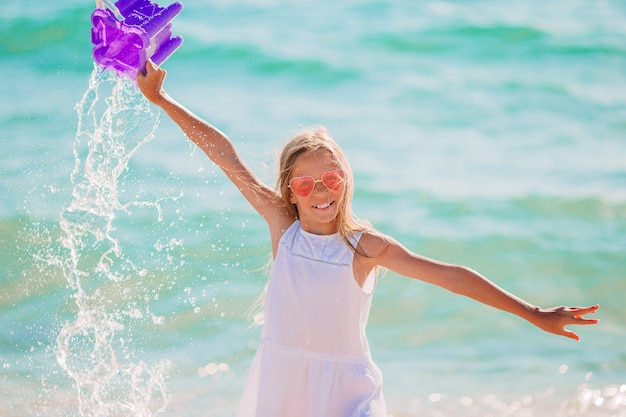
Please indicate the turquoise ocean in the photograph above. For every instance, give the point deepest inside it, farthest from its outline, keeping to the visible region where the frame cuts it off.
(485, 133)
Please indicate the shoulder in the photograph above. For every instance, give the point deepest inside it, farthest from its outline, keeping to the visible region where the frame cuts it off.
(370, 251)
(373, 243)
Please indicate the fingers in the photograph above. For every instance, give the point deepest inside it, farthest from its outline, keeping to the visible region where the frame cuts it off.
(150, 66)
(152, 70)
(584, 321)
(591, 310)
(571, 335)
(555, 319)
(150, 83)
(577, 317)
(586, 310)
(580, 312)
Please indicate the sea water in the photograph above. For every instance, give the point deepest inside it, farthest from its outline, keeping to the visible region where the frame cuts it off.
(484, 133)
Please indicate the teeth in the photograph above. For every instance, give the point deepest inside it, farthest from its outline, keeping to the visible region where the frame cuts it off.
(323, 206)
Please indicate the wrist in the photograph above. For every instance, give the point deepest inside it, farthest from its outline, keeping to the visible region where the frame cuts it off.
(533, 314)
(159, 98)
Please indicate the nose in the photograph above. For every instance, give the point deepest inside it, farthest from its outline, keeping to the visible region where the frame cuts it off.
(319, 185)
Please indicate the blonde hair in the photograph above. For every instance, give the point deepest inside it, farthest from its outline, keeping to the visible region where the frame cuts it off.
(311, 140)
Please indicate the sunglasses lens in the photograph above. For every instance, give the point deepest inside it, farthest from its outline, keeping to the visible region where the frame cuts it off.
(302, 185)
(333, 180)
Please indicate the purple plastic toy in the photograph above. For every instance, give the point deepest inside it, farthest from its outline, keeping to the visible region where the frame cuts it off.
(125, 34)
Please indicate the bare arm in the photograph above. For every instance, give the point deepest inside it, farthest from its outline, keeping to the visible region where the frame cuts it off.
(218, 147)
(465, 281)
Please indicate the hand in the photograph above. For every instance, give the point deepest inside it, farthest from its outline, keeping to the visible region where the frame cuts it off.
(151, 83)
(554, 320)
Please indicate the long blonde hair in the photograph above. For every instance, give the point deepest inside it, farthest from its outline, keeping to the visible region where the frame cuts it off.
(311, 140)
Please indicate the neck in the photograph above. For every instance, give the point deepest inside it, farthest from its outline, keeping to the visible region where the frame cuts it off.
(319, 228)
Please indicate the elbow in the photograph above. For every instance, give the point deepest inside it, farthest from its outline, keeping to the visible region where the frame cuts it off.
(460, 279)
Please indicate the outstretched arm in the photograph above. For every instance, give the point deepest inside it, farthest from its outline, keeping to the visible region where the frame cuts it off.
(215, 144)
(462, 280)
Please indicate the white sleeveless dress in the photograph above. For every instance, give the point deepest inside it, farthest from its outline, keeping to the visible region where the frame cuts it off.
(314, 359)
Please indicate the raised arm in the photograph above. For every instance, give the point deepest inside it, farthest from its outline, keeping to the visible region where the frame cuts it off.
(216, 146)
(462, 280)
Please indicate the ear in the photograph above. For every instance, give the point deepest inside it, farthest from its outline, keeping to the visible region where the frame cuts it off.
(292, 199)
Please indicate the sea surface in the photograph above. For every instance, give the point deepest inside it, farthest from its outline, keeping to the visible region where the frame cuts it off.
(485, 133)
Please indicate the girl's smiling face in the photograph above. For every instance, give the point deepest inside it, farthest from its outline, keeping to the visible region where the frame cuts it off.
(318, 210)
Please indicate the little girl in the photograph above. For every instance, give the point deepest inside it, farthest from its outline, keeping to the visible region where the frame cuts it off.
(313, 359)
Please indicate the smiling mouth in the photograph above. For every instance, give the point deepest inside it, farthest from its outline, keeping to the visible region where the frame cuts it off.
(323, 206)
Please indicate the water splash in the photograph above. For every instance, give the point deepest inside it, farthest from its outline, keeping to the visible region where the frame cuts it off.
(94, 349)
